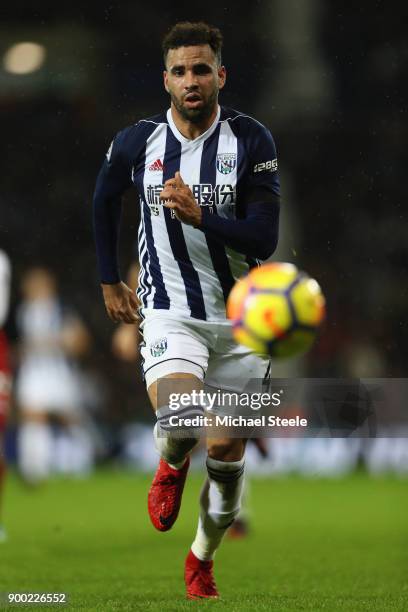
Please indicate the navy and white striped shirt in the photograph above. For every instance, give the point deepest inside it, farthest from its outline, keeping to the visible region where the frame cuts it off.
(232, 171)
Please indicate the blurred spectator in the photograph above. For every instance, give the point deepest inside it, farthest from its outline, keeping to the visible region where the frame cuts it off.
(51, 436)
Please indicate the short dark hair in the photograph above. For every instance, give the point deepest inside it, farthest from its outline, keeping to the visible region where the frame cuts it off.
(187, 33)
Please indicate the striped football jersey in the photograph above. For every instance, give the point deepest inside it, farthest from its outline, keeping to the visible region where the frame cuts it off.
(182, 269)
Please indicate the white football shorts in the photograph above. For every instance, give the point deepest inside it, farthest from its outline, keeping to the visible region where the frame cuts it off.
(205, 349)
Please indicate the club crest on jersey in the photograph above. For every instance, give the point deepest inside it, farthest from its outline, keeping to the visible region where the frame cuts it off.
(226, 162)
(158, 347)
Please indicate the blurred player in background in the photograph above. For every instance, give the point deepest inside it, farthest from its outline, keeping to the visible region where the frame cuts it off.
(5, 376)
(209, 191)
(47, 387)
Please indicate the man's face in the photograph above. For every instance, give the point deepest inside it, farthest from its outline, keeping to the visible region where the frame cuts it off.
(193, 79)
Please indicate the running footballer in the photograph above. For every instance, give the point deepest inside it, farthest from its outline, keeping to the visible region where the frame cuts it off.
(208, 186)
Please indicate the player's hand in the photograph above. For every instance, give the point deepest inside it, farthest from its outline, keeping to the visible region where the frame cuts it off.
(179, 197)
(120, 302)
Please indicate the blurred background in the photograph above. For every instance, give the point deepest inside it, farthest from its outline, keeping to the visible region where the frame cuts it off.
(326, 78)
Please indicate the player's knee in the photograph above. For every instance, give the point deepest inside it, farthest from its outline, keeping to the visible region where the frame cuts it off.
(226, 450)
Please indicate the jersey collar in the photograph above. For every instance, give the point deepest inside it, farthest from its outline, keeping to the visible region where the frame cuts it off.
(200, 138)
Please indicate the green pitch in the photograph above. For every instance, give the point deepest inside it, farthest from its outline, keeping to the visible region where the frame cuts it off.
(315, 545)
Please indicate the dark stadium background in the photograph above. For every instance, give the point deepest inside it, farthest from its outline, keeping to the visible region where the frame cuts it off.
(326, 77)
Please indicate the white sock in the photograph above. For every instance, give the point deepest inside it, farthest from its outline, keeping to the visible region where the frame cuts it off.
(34, 451)
(220, 503)
(172, 448)
(169, 449)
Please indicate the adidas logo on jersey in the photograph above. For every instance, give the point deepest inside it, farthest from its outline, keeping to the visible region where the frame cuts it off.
(156, 166)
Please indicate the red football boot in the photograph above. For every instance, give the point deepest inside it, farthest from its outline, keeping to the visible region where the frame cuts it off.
(199, 579)
(164, 497)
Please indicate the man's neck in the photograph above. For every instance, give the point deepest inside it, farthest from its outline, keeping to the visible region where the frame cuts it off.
(192, 130)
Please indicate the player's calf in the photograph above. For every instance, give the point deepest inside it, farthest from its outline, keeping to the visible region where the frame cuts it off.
(220, 503)
(172, 448)
(226, 449)
(172, 439)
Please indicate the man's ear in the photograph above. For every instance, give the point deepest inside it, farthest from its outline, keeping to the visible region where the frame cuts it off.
(222, 76)
(166, 87)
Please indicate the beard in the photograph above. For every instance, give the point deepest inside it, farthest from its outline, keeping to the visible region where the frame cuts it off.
(196, 115)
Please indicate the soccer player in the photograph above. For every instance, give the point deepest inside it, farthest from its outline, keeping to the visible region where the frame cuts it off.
(207, 181)
(47, 386)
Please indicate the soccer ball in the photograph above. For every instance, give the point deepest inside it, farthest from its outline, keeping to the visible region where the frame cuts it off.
(276, 310)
